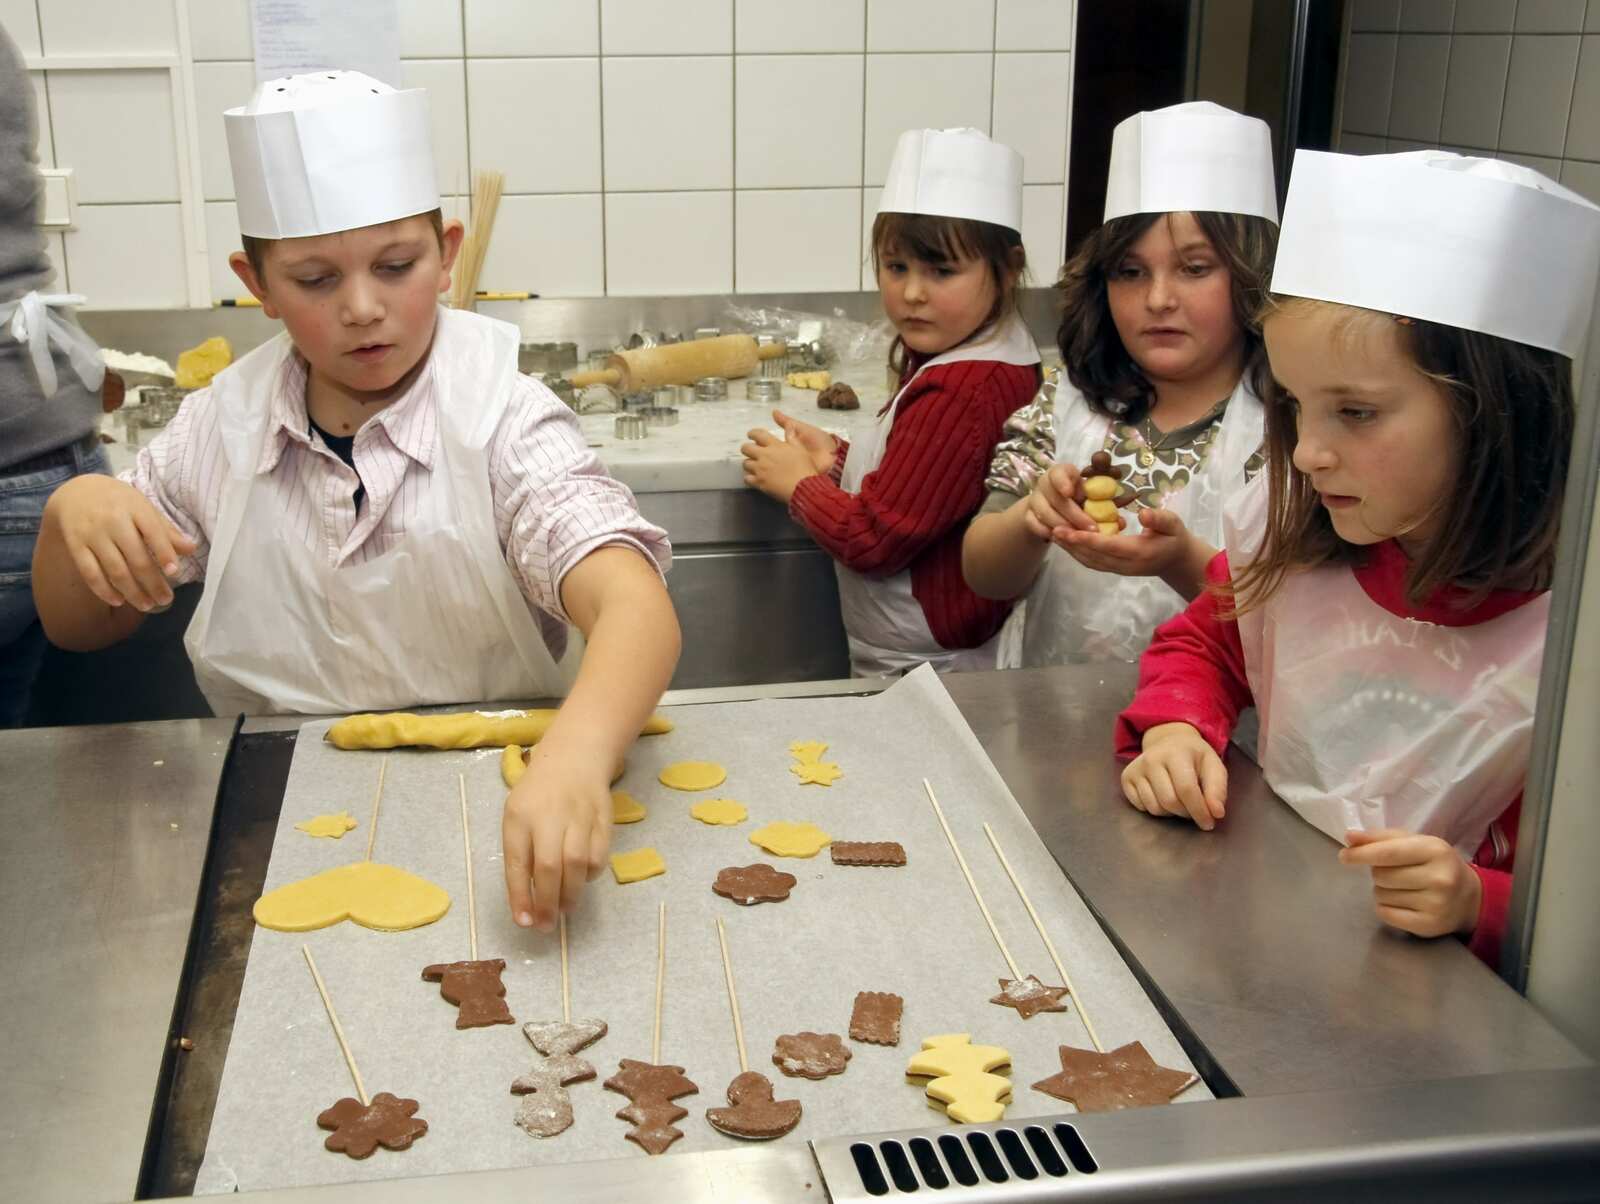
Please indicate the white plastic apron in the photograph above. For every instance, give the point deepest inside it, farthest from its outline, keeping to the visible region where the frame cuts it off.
(437, 619)
(1077, 614)
(1369, 720)
(31, 323)
(887, 631)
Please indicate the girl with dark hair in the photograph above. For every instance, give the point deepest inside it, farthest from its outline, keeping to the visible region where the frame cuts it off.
(1381, 599)
(1164, 368)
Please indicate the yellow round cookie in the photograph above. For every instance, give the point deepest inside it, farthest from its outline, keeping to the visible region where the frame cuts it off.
(693, 775)
(719, 811)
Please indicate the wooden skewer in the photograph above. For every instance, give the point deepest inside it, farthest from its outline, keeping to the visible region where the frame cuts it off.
(338, 1029)
(566, 999)
(466, 844)
(377, 801)
(661, 973)
(1048, 943)
(962, 861)
(733, 999)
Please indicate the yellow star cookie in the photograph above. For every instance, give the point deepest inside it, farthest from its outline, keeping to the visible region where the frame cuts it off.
(816, 773)
(373, 895)
(960, 1078)
(785, 839)
(625, 809)
(639, 864)
(693, 775)
(335, 825)
(807, 750)
(719, 811)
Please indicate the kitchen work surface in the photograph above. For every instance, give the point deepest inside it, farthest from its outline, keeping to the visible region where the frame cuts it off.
(914, 930)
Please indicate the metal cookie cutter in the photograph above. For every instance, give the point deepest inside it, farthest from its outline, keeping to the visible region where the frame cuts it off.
(631, 426)
(778, 365)
(655, 416)
(761, 388)
(711, 388)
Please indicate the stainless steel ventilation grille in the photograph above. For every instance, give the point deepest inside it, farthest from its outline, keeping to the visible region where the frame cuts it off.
(1001, 1162)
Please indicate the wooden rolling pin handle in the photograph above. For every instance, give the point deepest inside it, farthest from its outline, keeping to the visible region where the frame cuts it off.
(600, 376)
(772, 351)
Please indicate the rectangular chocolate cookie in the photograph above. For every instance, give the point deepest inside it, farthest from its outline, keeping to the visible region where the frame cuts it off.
(868, 852)
(876, 1017)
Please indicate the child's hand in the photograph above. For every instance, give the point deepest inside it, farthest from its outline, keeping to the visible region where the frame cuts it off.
(1052, 506)
(1160, 545)
(120, 544)
(776, 466)
(822, 447)
(557, 830)
(1178, 773)
(1420, 884)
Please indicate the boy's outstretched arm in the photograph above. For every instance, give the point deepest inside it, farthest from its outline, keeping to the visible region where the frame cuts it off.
(557, 822)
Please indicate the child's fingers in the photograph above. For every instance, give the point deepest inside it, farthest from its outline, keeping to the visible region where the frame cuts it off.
(1186, 786)
(548, 857)
(166, 542)
(1402, 918)
(1214, 783)
(132, 572)
(94, 577)
(1387, 848)
(1146, 796)
(515, 839)
(761, 437)
(1161, 522)
(599, 846)
(574, 865)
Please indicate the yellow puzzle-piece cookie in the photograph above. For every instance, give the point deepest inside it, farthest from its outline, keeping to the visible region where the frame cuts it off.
(625, 809)
(816, 773)
(693, 775)
(373, 895)
(1100, 489)
(469, 729)
(637, 865)
(719, 811)
(960, 1077)
(784, 839)
(335, 825)
(807, 750)
(512, 767)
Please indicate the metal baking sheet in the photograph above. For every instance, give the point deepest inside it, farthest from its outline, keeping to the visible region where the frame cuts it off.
(797, 964)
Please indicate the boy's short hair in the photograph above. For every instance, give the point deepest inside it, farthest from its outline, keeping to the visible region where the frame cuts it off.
(255, 248)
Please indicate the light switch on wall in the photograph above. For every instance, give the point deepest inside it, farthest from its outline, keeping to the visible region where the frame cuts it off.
(60, 208)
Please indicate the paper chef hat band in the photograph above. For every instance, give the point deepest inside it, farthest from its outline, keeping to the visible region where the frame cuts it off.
(329, 151)
(1197, 158)
(1478, 244)
(955, 173)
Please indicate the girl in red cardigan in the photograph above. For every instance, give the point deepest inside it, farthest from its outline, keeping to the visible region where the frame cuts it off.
(892, 509)
(1381, 598)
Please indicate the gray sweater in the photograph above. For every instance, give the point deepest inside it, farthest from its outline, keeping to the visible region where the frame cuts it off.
(30, 423)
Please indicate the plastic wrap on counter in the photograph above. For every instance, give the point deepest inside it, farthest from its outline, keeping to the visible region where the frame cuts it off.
(845, 342)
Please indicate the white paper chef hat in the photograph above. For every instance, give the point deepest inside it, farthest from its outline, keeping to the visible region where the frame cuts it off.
(1479, 244)
(329, 151)
(1191, 158)
(955, 173)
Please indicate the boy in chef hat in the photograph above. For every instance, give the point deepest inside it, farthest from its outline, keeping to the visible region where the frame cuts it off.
(384, 512)
(1161, 349)
(947, 246)
(1382, 593)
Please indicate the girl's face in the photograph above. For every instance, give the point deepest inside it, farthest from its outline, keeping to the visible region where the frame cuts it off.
(934, 306)
(1376, 437)
(1171, 300)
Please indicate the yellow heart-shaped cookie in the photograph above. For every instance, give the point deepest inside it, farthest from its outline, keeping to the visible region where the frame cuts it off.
(373, 895)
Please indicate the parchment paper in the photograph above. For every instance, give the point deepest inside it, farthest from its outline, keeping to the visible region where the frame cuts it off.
(797, 964)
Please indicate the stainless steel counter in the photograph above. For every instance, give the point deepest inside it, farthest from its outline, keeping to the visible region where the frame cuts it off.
(1262, 948)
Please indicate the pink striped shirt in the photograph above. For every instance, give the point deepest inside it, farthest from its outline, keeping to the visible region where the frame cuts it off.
(553, 500)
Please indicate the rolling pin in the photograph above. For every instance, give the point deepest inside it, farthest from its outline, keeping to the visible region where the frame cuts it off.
(679, 363)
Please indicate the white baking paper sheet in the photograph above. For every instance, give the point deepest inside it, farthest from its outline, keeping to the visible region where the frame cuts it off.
(797, 964)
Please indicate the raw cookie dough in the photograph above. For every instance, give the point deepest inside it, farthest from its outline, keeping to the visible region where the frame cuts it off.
(475, 988)
(960, 1078)
(335, 825)
(838, 396)
(693, 775)
(750, 884)
(546, 1109)
(651, 1089)
(359, 1128)
(867, 852)
(816, 773)
(1029, 996)
(625, 809)
(876, 1017)
(809, 380)
(514, 763)
(810, 1055)
(754, 1114)
(807, 750)
(637, 865)
(373, 895)
(470, 729)
(1125, 1077)
(783, 839)
(719, 811)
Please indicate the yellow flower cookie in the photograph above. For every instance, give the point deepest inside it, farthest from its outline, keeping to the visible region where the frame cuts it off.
(816, 773)
(719, 811)
(335, 825)
(637, 865)
(785, 839)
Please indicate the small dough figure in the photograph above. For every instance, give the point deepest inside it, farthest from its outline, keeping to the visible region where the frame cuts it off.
(332, 826)
(1101, 491)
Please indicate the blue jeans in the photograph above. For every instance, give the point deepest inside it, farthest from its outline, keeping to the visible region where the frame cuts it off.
(22, 498)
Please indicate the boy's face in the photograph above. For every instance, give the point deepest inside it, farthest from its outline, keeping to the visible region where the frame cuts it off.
(358, 304)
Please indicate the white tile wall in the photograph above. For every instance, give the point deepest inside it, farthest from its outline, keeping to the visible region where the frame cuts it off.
(1475, 90)
(1549, 16)
(1582, 178)
(669, 243)
(1583, 132)
(869, 211)
(1485, 16)
(1539, 94)
(1031, 95)
(1368, 82)
(41, 107)
(818, 146)
(782, 26)
(907, 91)
(930, 24)
(53, 247)
(1426, 16)
(1417, 101)
(676, 147)
(1367, 15)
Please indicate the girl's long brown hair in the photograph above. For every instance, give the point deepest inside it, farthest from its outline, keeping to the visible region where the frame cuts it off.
(941, 240)
(1097, 363)
(1513, 414)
